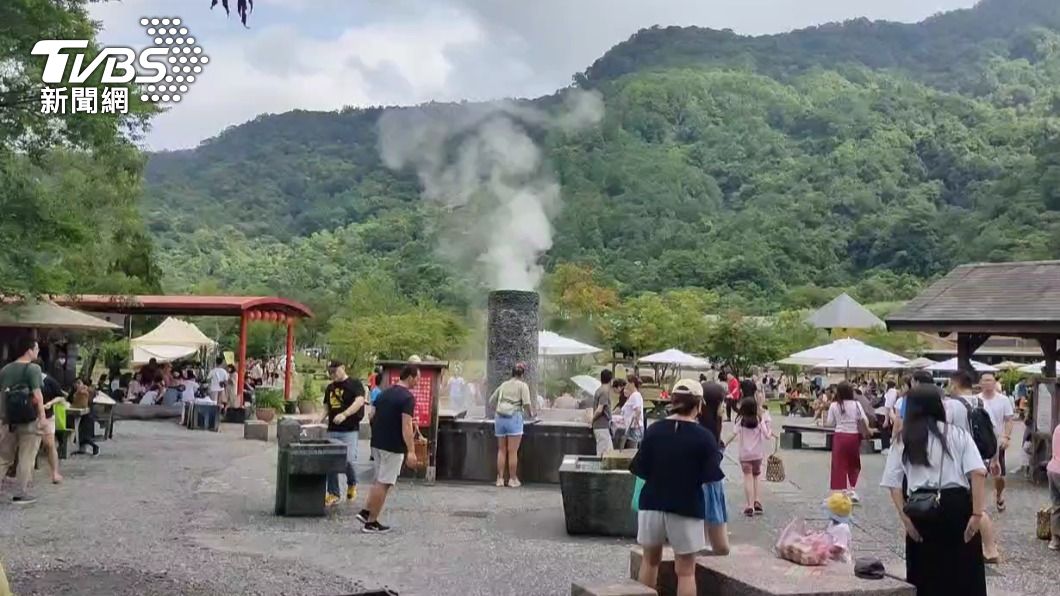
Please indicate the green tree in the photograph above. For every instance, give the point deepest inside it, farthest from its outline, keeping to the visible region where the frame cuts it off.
(69, 183)
(376, 323)
(741, 344)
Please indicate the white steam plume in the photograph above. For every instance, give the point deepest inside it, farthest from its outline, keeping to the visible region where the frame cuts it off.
(481, 162)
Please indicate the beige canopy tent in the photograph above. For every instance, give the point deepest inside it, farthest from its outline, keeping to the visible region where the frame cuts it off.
(171, 340)
(48, 315)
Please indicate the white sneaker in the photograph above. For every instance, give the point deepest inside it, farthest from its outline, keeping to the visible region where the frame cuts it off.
(1054, 544)
(854, 498)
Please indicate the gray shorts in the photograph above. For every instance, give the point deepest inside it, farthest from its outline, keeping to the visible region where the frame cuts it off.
(387, 465)
(685, 534)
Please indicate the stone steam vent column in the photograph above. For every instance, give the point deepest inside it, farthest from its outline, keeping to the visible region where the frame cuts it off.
(512, 329)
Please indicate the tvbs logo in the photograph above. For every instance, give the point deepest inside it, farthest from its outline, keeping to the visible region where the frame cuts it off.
(161, 72)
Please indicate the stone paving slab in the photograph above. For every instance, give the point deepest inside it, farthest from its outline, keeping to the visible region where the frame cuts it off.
(165, 510)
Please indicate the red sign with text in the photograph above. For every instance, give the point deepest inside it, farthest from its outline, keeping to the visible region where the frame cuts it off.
(423, 394)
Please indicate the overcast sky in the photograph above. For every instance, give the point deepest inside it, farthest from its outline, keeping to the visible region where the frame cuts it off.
(325, 54)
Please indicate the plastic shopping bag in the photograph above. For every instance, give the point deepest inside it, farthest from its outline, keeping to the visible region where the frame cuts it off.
(802, 546)
(840, 534)
(638, 484)
(59, 413)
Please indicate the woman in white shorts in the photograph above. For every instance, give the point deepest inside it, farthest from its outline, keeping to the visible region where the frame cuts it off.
(676, 458)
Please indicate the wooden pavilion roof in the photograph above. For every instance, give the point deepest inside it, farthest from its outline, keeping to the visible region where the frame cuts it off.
(994, 298)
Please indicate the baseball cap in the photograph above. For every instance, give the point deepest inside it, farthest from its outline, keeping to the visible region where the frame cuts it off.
(690, 386)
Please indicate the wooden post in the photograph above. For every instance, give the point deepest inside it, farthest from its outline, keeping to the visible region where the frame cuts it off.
(967, 344)
(289, 359)
(241, 359)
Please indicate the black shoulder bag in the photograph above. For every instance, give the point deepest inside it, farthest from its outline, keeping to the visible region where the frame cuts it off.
(925, 505)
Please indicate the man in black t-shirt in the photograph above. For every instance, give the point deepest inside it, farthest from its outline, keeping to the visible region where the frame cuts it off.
(392, 435)
(343, 411)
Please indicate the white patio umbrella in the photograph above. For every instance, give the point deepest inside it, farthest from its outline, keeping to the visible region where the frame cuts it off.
(920, 363)
(554, 344)
(675, 357)
(951, 366)
(847, 353)
(45, 314)
(586, 383)
(1033, 369)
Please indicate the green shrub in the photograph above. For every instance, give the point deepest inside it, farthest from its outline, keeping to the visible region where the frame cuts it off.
(310, 390)
(269, 398)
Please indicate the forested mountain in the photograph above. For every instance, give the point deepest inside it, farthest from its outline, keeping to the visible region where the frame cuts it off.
(861, 155)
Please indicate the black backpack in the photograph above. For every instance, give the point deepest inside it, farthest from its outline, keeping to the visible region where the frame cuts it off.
(982, 429)
(18, 401)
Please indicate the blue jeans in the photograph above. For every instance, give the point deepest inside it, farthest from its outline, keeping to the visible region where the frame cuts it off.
(350, 439)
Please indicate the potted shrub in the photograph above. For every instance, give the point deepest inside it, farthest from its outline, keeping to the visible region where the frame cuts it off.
(267, 402)
(310, 400)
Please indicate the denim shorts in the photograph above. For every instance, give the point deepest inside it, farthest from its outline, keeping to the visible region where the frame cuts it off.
(509, 426)
(714, 503)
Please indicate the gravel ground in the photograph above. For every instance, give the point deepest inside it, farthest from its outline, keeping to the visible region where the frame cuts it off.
(168, 511)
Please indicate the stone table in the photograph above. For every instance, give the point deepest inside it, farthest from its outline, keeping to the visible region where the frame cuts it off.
(754, 571)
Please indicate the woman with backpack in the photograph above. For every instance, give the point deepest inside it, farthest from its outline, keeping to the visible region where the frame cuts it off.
(943, 505)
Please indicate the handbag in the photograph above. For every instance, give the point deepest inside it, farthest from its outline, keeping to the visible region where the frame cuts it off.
(925, 505)
(863, 427)
(1044, 529)
(775, 466)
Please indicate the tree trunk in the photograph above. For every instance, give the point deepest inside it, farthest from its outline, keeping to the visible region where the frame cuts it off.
(86, 368)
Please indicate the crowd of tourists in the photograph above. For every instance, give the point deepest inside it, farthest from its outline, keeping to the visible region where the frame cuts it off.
(947, 445)
(33, 407)
(172, 383)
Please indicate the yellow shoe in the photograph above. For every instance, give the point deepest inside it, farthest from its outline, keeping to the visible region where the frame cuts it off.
(351, 493)
(331, 500)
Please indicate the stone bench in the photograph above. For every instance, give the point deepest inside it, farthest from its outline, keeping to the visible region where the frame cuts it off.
(620, 588)
(753, 571)
(791, 438)
(62, 442)
(256, 430)
(597, 501)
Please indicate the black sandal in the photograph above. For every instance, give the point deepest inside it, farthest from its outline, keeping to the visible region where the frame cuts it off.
(758, 510)
(749, 512)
